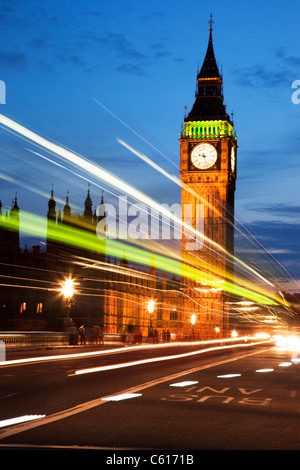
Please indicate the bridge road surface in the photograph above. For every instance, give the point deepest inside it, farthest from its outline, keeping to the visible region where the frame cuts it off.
(243, 400)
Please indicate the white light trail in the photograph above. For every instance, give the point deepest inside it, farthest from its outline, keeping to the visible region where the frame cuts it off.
(95, 170)
(133, 131)
(248, 234)
(123, 349)
(154, 165)
(113, 181)
(160, 359)
(187, 188)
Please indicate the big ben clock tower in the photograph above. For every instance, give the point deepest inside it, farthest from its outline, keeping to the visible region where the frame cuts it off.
(208, 174)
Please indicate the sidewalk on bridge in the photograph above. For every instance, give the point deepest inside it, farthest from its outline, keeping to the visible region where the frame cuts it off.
(33, 341)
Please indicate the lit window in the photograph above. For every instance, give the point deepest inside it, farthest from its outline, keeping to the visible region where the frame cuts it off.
(39, 307)
(23, 307)
(173, 314)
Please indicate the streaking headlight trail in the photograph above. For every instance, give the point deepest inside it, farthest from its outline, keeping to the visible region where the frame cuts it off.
(164, 358)
(34, 225)
(179, 183)
(71, 236)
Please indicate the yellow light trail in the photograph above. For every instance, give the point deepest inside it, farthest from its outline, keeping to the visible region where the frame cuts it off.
(112, 180)
(129, 272)
(106, 267)
(76, 237)
(113, 247)
(139, 276)
(91, 168)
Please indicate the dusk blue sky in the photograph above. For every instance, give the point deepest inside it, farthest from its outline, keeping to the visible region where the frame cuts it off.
(139, 59)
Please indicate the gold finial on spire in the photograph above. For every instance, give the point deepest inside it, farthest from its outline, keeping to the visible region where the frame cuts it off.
(211, 22)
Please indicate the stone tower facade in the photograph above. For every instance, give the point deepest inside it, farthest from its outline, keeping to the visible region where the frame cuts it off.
(208, 147)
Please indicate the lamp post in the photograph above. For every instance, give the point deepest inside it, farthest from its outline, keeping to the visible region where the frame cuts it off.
(151, 305)
(193, 322)
(68, 292)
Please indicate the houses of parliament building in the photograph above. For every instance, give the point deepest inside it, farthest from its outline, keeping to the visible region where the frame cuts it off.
(113, 292)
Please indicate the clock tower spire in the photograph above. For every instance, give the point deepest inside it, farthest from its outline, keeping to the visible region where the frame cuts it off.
(208, 173)
(209, 103)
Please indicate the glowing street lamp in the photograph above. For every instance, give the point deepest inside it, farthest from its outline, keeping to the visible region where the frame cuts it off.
(68, 292)
(68, 288)
(193, 322)
(151, 305)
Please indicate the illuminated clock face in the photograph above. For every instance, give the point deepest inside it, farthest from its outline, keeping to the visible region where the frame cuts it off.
(232, 159)
(204, 156)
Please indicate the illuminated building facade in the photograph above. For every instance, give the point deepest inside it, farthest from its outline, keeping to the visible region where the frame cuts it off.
(208, 172)
(110, 293)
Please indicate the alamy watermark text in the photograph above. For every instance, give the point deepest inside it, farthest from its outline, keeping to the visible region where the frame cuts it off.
(137, 221)
(296, 93)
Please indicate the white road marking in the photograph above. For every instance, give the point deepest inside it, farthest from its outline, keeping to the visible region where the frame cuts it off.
(228, 376)
(19, 419)
(184, 384)
(123, 396)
